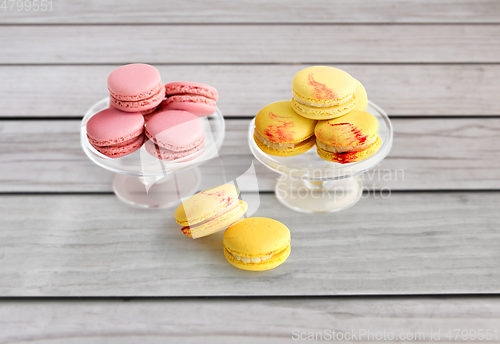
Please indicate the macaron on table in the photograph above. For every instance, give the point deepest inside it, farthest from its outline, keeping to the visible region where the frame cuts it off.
(153, 149)
(352, 135)
(257, 244)
(210, 211)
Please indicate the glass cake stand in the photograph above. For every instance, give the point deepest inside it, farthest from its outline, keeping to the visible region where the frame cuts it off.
(146, 182)
(310, 184)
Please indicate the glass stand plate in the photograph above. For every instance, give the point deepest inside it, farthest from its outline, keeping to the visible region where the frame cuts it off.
(146, 182)
(310, 184)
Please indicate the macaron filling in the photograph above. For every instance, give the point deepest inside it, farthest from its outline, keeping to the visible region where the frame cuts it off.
(117, 151)
(338, 149)
(199, 99)
(245, 259)
(253, 259)
(272, 144)
(171, 155)
(174, 148)
(154, 100)
(235, 202)
(175, 88)
(223, 219)
(279, 146)
(137, 97)
(341, 109)
(116, 142)
(321, 102)
(349, 157)
(189, 98)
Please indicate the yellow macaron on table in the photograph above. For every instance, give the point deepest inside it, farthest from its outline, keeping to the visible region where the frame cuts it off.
(257, 244)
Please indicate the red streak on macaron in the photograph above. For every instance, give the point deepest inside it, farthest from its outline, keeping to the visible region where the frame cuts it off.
(274, 116)
(227, 201)
(320, 90)
(347, 157)
(359, 137)
(280, 132)
(216, 194)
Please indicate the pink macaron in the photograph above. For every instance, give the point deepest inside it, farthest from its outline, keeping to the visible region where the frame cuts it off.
(115, 133)
(199, 99)
(136, 88)
(174, 134)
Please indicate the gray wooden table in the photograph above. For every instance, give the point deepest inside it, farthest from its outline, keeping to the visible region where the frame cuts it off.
(78, 266)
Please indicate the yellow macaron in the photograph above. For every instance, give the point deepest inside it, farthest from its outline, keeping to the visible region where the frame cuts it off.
(349, 138)
(257, 244)
(210, 211)
(361, 96)
(322, 92)
(280, 131)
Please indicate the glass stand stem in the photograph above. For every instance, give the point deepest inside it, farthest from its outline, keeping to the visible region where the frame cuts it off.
(314, 197)
(157, 192)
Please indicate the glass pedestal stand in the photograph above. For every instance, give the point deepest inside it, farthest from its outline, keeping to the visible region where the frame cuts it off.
(146, 182)
(310, 184)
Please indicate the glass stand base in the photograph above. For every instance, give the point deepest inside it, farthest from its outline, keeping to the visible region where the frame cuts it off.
(317, 197)
(165, 192)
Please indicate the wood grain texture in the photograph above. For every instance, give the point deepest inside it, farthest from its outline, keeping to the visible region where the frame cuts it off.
(318, 44)
(239, 320)
(261, 11)
(423, 243)
(427, 154)
(402, 90)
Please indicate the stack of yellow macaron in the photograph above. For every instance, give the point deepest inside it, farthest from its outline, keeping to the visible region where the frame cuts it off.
(327, 110)
(254, 244)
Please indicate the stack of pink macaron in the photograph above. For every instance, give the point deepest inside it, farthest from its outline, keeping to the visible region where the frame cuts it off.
(142, 108)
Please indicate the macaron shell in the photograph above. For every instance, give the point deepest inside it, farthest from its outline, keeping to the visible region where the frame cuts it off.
(149, 112)
(200, 106)
(112, 126)
(174, 130)
(278, 122)
(323, 85)
(324, 113)
(355, 128)
(134, 82)
(168, 155)
(139, 105)
(256, 236)
(122, 149)
(195, 88)
(345, 158)
(206, 204)
(361, 96)
(298, 148)
(269, 264)
(218, 223)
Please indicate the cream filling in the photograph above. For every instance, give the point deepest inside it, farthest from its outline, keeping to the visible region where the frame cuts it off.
(335, 102)
(252, 260)
(227, 209)
(271, 144)
(345, 149)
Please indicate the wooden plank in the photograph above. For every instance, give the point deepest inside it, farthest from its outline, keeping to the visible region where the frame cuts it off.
(428, 154)
(260, 11)
(318, 44)
(242, 320)
(93, 245)
(413, 90)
